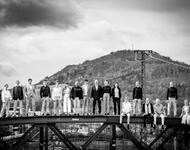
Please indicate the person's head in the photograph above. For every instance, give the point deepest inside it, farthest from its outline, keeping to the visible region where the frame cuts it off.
(76, 83)
(45, 82)
(147, 100)
(186, 102)
(106, 82)
(126, 99)
(17, 82)
(96, 82)
(137, 84)
(86, 82)
(117, 84)
(171, 84)
(6, 86)
(157, 101)
(30, 81)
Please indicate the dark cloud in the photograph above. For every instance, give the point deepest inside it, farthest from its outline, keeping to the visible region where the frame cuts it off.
(61, 13)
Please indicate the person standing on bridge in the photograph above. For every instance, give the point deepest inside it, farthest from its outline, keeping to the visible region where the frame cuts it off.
(137, 98)
(106, 97)
(67, 100)
(116, 96)
(18, 96)
(172, 97)
(45, 95)
(5, 97)
(86, 97)
(57, 96)
(96, 95)
(30, 96)
(77, 96)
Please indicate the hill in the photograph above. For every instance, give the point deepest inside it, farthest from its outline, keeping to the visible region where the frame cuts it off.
(121, 66)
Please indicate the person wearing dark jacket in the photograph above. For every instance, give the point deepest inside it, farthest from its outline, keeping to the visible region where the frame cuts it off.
(96, 95)
(172, 97)
(76, 96)
(137, 98)
(45, 95)
(116, 96)
(106, 97)
(18, 96)
(148, 111)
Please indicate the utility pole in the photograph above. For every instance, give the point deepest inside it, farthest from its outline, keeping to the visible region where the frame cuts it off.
(143, 54)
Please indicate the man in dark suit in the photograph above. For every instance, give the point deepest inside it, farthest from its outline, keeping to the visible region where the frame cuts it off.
(148, 110)
(18, 96)
(96, 95)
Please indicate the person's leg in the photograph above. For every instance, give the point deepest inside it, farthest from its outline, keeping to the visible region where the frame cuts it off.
(144, 118)
(8, 107)
(121, 118)
(43, 106)
(3, 109)
(54, 107)
(65, 104)
(169, 106)
(21, 107)
(83, 105)
(74, 109)
(94, 106)
(162, 119)
(118, 105)
(108, 103)
(15, 106)
(114, 105)
(188, 119)
(175, 107)
(79, 106)
(60, 106)
(128, 118)
(87, 106)
(99, 106)
(104, 104)
(139, 106)
(27, 104)
(134, 106)
(155, 119)
(68, 105)
(47, 105)
(33, 105)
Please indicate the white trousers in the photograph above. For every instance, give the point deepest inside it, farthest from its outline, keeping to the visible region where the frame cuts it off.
(67, 104)
(161, 116)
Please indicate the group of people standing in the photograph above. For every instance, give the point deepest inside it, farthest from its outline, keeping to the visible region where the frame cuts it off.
(66, 100)
(76, 100)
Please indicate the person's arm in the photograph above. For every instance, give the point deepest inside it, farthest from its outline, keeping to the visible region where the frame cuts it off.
(101, 92)
(141, 93)
(167, 94)
(22, 92)
(120, 93)
(92, 93)
(41, 91)
(71, 93)
(133, 93)
(25, 91)
(61, 92)
(81, 93)
(49, 92)
(53, 94)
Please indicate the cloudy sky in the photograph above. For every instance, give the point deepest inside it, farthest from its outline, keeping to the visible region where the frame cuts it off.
(40, 37)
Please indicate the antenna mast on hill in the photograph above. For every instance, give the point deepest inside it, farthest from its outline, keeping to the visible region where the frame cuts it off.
(141, 55)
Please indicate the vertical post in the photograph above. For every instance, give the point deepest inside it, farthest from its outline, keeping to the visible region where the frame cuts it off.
(143, 73)
(113, 138)
(46, 137)
(41, 138)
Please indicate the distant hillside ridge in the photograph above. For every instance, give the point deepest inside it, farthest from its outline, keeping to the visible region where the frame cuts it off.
(121, 66)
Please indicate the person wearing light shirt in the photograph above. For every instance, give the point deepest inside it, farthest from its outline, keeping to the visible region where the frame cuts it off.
(126, 110)
(6, 97)
(30, 96)
(158, 112)
(67, 100)
(86, 96)
(185, 112)
(57, 99)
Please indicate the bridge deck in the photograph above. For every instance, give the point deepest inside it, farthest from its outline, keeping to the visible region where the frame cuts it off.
(82, 119)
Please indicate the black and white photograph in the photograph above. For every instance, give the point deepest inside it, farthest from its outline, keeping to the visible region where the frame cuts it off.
(94, 74)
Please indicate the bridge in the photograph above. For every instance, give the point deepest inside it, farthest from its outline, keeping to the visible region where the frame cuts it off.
(45, 124)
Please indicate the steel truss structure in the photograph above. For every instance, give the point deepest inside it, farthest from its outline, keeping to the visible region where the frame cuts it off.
(42, 124)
